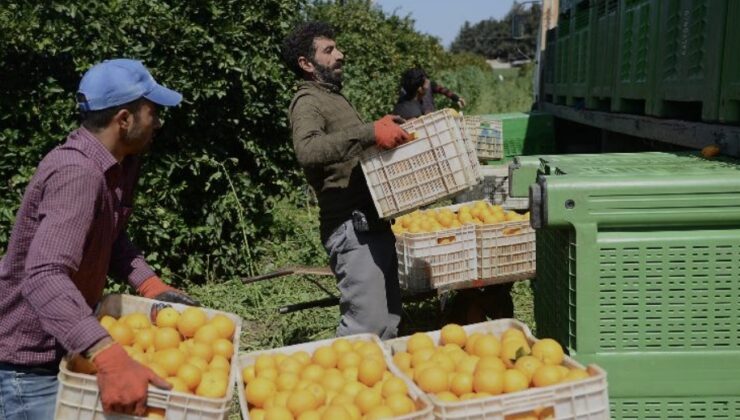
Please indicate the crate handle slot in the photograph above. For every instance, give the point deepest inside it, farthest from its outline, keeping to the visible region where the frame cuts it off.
(539, 412)
(447, 239)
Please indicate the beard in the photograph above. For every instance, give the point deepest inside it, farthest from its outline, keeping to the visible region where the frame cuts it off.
(329, 75)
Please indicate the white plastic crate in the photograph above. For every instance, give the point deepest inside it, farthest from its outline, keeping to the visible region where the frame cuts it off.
(78, 396)
(506, 251)
(436, 165)
(585, 399)
(486, 135)
(423, 404)
(430, 260)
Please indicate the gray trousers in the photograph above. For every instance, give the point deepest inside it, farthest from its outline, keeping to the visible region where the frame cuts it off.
(366, 268)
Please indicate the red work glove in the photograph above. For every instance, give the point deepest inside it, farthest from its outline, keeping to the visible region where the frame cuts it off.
(155, 288)
(388, 134)
(123, 382)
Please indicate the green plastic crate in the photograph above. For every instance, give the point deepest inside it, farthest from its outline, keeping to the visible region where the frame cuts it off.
(638, 271)
(563, 57)
(604, 32)
(689, 58)
(550, 64)
(524, 133)
(580, 60)
(729, 106)
(636, 55)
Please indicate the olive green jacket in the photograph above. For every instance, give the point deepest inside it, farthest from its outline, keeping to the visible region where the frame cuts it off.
(328, 137)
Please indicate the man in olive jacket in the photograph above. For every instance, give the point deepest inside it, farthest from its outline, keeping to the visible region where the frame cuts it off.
(328, 137)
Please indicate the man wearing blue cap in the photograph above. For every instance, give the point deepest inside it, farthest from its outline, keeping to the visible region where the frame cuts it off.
(70, 233)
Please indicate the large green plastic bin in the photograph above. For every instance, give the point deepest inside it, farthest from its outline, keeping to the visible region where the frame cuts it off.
(638, 268)
(522, 133)
(689, 58)
(563, 57)
(551, 37)
(638, 27)
(580, 60)
(729, 106)
(604, 33)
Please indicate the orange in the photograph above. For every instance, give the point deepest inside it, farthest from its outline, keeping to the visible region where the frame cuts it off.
(528, 365)
(380, 412)
(170, 360)
(513, 348)
(290, 365)
(367, 399)
(308, 415)
(472, 339)
(422, 355)
(490, 362)
(433, 380)
(487, 345)
(203, 365)
(271, 374)
(453, 333)
(370, 371)
(341, 399)
(137, 321)
(201, 350)
(467, 364)
(461, 383)
(402, 359)
(353, 388)
(287, 381)
(155, 413)
(335, 412)
(400, 404)
(418, 341)
(515, 380)
(144, 338)
(278, 413)
(122, 333)
(325, 357)
(167, 317)
(333, 381)
(224, 325)
(256, 414)
(107, 321)
(223, 347)
(258, 391)
(166, 338)
(354, 412)
(546, 375)
(178, 384)
(158, 370)
(370, 349)
(219, 362)
(489, 380)
(248, 373)
(349, 359)
(710, 151)
(576, 374)
(394, 385)
(301, 357)
(513, 333)
(190, 320)
(264, 361)
(444, 361)
(301, 401)
(341, 345)
(446, 396)
(206, 334)
(350, 373)
(190, 375)
(81, 365)
(312, 373)
(318, 392)
(548, 351)
(564, 371)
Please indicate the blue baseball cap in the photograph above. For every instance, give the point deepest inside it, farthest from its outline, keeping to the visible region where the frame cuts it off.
(120, 81)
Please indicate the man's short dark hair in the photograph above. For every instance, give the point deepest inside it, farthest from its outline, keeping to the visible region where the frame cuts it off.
(299, 43)
(98, 120)
(411, 80)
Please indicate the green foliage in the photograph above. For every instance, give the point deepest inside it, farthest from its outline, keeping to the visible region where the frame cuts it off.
(486, 93)
(492, 38)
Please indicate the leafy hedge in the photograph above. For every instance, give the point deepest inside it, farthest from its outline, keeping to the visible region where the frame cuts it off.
(209, 202)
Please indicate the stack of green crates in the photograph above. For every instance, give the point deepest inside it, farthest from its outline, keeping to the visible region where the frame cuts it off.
(524, 133)
(638, 271)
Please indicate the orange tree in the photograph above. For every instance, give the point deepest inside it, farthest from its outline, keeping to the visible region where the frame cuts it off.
(206, 203)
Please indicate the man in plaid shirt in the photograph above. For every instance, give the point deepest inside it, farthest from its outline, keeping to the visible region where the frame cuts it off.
(69, 235)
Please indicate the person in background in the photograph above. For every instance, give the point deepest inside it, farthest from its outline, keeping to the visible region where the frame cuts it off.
(416, 98)
(69, 235)
(328, 138)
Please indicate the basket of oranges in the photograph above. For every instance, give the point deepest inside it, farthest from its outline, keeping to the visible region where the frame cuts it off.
(498, 370)
(192, 348)
(343, 378)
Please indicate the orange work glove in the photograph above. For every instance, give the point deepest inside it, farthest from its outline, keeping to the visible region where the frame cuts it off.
(123, 382)
(155, 288)
(388, 134)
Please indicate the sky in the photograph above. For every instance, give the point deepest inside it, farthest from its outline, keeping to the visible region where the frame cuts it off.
(443, 18)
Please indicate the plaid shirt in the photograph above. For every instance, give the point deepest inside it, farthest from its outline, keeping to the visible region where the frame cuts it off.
(68, 235)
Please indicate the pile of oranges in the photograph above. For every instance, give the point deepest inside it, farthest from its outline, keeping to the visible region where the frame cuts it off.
(345, 380)
(434, 220)
(462, 367)
(189, 350)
